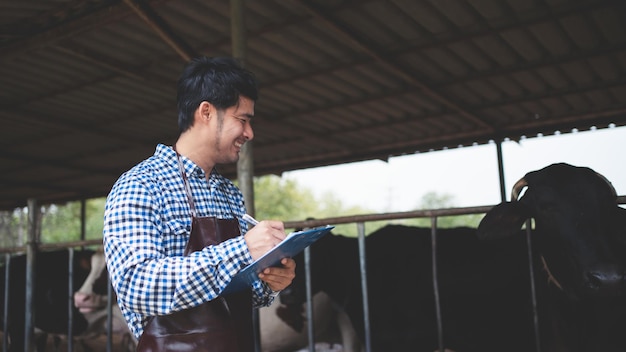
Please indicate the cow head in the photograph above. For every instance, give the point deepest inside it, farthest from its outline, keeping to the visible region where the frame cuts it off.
(579, 228)
(92, 295)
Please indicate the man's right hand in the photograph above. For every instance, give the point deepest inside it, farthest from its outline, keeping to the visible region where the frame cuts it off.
(264, 236)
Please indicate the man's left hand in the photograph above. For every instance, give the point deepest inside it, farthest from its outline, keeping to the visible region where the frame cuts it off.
(279, 277)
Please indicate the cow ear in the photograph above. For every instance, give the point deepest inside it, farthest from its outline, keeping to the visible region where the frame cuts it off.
(503, 220)
(620, 224)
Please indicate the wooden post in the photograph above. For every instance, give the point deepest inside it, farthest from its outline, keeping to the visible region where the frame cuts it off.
(245, 165)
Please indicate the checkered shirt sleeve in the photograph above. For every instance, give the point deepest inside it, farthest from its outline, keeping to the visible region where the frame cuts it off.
(147, 222)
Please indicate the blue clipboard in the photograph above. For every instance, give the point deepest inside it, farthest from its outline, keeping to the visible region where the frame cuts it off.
(293, 244)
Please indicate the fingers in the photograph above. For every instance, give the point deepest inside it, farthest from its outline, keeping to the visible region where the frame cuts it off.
(263, 237)
(272, 228)
(275, 228)
(278, 278)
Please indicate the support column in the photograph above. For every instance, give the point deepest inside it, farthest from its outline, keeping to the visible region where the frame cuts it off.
(245, 165)
(31, 256)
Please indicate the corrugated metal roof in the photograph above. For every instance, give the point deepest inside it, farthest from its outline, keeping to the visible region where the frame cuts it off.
(88, 86)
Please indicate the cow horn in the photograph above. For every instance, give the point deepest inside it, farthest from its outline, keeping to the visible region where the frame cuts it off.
(517, 188)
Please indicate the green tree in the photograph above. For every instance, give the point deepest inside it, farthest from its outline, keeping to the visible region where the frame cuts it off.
(433, 200)
(13, 226)
(61, 222)
(331, 206)
(282, 199)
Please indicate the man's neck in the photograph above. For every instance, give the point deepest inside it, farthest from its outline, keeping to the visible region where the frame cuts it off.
(194, 152)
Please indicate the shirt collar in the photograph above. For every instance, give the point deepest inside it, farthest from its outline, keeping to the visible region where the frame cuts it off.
(191, 169)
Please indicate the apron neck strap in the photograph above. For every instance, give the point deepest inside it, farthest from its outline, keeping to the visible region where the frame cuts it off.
(181, 168)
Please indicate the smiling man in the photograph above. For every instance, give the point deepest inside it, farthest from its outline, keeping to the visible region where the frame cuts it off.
(173, 229)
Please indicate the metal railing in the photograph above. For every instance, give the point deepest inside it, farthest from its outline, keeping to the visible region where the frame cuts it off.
(359, 220)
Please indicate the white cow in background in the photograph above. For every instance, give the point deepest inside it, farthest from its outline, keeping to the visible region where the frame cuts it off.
(331, 327)
(93, 307)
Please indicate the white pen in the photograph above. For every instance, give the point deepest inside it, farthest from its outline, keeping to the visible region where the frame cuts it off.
(250, 220)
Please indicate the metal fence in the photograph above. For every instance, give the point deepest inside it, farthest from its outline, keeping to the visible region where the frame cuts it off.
(359, 220)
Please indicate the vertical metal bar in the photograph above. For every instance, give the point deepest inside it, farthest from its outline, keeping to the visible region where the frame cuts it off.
(533, 291)
(363, 264)
(5, 318)
(70, 299)
(433, 241)
(109, 328)
(83, 217)
(309, 299)
(31, 260)
(501, 170)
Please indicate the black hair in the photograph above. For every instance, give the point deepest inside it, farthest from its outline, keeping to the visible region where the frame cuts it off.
(218, 80)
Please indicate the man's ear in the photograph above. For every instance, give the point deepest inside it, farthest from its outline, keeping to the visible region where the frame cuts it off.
(205, 112)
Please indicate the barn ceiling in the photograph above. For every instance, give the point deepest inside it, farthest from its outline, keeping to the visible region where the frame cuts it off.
(88, 86)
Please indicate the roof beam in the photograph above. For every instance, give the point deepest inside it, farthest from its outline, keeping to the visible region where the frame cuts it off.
(164, 31)
(52, 36)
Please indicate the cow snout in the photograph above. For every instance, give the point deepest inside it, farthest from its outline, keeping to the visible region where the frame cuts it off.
(605, 281)
(87, 303)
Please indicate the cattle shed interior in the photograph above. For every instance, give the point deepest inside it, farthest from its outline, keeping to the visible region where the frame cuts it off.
(88, 86)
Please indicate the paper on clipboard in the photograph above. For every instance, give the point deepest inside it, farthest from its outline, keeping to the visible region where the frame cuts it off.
(293, 244)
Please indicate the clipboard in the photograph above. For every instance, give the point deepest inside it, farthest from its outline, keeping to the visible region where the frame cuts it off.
(293, 244)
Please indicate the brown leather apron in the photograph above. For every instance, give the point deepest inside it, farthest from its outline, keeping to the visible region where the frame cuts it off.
(221, 325)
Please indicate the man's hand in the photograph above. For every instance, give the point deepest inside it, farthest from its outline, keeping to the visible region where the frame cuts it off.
(279, 277)
(263, 237)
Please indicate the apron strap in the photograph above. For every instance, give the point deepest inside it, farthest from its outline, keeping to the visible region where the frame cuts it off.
(181, 167)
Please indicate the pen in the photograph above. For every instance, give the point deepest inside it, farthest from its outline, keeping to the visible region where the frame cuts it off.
(250, 220)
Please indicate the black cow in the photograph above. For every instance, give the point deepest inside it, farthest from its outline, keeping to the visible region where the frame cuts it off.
(580, 235)
(50, 295)
(483, 286)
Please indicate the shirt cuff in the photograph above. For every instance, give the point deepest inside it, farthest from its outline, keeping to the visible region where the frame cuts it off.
(274, 294)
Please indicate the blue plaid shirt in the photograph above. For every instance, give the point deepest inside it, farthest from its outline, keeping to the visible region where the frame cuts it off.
(147, 222)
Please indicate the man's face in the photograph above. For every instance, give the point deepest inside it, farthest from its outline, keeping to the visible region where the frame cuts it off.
(232, 129)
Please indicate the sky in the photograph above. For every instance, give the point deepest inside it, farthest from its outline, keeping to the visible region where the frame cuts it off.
(468, 174)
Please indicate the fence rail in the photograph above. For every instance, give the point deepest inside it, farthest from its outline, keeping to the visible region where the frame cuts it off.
(359, 220)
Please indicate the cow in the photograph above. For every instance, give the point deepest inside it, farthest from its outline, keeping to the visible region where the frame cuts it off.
(579, 238)
(276, 335)
(332, 329)
(483, 288)
(91, 300)
(50, 296)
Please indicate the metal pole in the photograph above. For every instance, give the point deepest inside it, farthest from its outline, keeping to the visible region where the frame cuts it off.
(366, 308)
(31, 253)
(70, 299)
(309, 299)
(533, 291)
(5, 318)
(501, 171)
(83, 217)
(433, 239)
(109, 315)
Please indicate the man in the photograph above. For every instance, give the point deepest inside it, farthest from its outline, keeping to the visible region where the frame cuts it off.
(168, 289)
